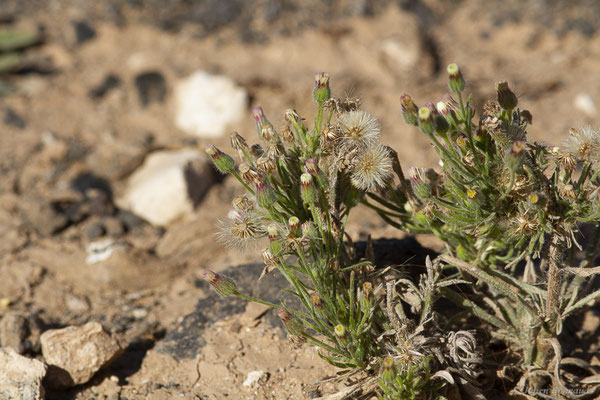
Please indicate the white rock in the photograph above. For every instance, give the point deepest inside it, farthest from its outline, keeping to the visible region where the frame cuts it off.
(206, 104)
(585, 103)
(404, 54)
(253, 378)
(20, 377)
(168, 185)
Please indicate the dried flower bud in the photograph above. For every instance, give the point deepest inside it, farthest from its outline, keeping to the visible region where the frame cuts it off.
(340, 331)
(292, 116)
(456, 82)
(506, 97)
(287, 135)
(266, 164)
(426, 122)
(321, 92)
(307, 188)
(238, 142)
(222, 161)
(242, 204)
(447, 105)
(222, 284)
(269, 259)
(568, 191)
(263, 126)
(409, 110)
(526, 115)
(249, 174)
(294, 226)
(256, 150)
(331, 134)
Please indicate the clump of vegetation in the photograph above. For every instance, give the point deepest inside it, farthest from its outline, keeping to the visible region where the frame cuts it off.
(507, 209)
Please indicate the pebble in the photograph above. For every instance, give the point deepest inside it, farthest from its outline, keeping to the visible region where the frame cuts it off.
(21, 377)
(168, 185)
(83, 31)
(110, 82)
(585, 103)
(151, 87)
(14, 331)
(75, 353)
(253, 378)
(206, 105)
(95, 230)
(11, 118)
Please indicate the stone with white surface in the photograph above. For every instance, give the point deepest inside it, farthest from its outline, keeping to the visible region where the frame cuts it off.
(207, 104)
(169, 185)
(21, 377)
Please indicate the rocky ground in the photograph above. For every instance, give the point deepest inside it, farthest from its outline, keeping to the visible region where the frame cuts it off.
(108, 205)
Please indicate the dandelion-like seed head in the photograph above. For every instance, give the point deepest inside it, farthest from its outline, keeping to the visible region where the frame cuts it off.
(240, 230)
(583, 143)
(360, 129)
(372, 168)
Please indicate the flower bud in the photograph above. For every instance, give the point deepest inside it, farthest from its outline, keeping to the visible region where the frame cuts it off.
(456, 82)
(316, 300)
(294, 226)
(388, 373)
(266, 164)
(447, 105)
(307, 188)
(222, 161)
(222, 284)
(426, 122)
(472, 194)
(264, 194)
(249, 174)
(506, 97)
(514, 156)
(270, 259)
(256, 150)
(308, 230)
(526, 115)
(537, 199)
(409, 110)
(292, 324)
(340, 331)
(311, 167)
(321, 92)
(263, 126)
(238, 142)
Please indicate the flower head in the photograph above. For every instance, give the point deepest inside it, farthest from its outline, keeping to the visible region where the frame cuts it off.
(360, 130)
(584, 143)
(240, 230)
(372, 168)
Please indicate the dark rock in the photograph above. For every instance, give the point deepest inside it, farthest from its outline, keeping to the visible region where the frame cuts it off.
(95, 230)
(83, 31)
(11, 118)
(130, 220)
(20, 332)
(214, 14)
(185, 340)
(109, 83)
(151, 87)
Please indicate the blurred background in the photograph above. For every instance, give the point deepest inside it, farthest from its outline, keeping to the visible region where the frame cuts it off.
(108, 205)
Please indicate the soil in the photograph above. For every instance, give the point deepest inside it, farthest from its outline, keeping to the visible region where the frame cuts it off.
(96, 96)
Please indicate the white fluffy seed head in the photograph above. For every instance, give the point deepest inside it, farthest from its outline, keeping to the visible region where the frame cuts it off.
(360, 129)
(372, 168)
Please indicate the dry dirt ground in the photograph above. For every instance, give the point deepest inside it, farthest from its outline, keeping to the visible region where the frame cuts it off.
(66, 151)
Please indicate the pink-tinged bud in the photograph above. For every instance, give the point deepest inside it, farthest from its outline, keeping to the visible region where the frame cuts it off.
(292, 324)
(456, 82)
(307, 188)
(222, 161)
(447, 105)
(506, 97)
(263, 126)
(264, 194)
(409, 110)
(222, 284)
(311, 167)
(426, 122)
(514, 156)
(308, 230)
(321, 92)
(294, 226)
(273, 232)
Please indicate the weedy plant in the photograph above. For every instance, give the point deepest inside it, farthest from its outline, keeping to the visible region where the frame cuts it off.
(499, 202)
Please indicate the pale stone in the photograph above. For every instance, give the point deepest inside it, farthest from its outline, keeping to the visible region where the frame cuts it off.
(74, 354)
(585, 103)
(207, 104)
(168, 185)
(253, 378)
(21, 377)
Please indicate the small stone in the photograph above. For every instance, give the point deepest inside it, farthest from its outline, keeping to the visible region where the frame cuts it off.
(95, 230)
(585, 103)
(13, 332)
(253, 378)
(11, 118)
(151, 87)
(168, 185)
(114, 227)
(109, 83)
(83, 31)
(130, 220)
(77, 304)
(21, 377)
(208, 104)
(74, 354)
(139, 313)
